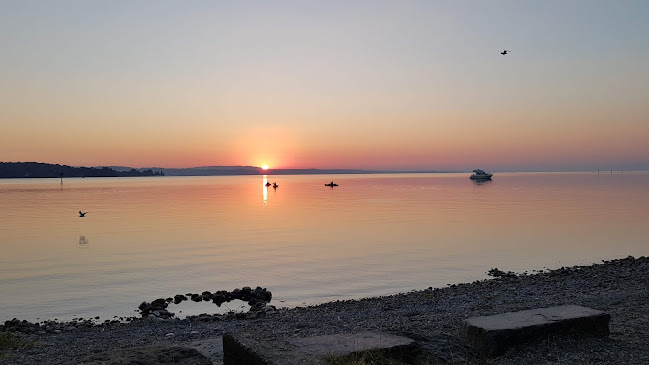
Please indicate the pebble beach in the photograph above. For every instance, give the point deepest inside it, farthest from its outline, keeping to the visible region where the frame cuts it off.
(431, 316)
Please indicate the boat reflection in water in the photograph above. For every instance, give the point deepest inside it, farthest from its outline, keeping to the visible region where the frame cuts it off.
(481, 182)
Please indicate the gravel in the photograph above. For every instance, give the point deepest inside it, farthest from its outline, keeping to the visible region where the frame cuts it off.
(431, 316)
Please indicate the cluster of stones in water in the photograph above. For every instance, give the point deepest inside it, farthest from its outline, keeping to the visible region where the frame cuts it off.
(257, 298)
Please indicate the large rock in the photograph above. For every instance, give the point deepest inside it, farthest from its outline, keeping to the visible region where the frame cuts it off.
(346, 344)
(212, 349)
(150, 355)
(493, 335)
(262, 348)
(265, 349)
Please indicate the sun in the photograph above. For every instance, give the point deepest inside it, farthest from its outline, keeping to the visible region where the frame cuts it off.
(264, 167)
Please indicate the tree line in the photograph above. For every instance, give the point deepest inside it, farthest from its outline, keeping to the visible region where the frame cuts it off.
(38, 169)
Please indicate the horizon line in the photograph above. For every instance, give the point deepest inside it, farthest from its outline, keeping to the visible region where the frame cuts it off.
(350, 170)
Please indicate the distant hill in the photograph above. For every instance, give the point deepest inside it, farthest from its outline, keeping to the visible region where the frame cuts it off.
(252, 170)
(215, 170)
(38, 169)
(241, 170)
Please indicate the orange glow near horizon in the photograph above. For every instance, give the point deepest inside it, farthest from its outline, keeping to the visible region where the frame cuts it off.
(251, 89)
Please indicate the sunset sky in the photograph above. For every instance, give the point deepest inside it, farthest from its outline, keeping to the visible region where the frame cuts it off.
(327, 84)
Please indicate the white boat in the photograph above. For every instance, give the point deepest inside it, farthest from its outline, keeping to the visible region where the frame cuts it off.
(480, 175)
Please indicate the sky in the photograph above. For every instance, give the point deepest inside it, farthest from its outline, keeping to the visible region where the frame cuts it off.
(398, 85)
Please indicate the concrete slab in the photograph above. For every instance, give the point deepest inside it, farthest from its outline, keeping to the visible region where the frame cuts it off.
(263, 348)
(493, 335)
(345, 344)
(210, 348)
(249, 349)
(148, 355)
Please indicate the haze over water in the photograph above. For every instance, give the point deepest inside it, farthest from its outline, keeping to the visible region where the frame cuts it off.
(146, 238)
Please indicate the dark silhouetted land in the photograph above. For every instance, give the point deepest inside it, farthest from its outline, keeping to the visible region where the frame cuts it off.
(37, 169)
(41, 170)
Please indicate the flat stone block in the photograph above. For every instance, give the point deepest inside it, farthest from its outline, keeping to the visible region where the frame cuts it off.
(346, 344)
(256, 349)
(210, 348)
(493, 335)
(244, 348)
(148, 355)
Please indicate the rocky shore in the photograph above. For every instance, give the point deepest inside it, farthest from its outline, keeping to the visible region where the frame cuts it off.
(432, 317)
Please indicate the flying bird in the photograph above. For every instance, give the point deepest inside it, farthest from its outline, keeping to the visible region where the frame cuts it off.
(82, 214)
(504, 52)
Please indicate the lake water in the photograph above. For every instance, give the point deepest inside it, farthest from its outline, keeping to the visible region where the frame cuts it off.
(146, 238)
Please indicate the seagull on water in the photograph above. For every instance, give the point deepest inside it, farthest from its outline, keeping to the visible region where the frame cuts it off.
(504, 52)
(82, 214)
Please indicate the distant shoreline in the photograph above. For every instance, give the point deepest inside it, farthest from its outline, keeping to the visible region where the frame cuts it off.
(27, 170)
(22, 170)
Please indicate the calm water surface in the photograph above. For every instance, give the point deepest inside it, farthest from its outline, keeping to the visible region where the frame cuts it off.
(146, 238)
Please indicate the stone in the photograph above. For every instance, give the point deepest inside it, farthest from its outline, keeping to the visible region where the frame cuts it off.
(265, 349)
(346, 344)
(149, 355)
(218, 299)
(210, 348)
(160, 302)
(493, 335)
(179, 298)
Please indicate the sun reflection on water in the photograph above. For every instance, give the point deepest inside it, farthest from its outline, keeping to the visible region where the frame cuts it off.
(265, 189)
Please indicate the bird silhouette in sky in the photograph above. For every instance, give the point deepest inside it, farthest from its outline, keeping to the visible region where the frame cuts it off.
(82, 214)
(504, 52)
